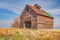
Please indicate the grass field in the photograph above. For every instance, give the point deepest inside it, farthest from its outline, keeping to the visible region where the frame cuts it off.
(29, 34)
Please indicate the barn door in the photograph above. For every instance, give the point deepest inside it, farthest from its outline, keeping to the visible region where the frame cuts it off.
(28, 24)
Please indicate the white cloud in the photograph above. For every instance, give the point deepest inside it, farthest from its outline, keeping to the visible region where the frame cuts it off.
(57, 23)
(10, 7)
(17, 8)
(5, 23)
(54, 11)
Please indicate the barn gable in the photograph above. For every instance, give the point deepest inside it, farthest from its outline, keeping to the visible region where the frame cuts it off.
(28, 11)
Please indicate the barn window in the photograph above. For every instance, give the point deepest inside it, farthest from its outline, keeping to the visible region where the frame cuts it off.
(27, 9)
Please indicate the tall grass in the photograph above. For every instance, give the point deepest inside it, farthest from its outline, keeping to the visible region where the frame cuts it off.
(29, 34)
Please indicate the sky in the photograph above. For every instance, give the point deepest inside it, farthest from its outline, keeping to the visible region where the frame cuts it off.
(10, 9)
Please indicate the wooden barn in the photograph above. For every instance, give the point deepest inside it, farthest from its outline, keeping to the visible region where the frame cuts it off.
(36, 18)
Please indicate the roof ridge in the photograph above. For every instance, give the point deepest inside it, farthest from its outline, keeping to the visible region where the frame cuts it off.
(47, 13)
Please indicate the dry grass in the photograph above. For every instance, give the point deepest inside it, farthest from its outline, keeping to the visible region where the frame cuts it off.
(29, 34)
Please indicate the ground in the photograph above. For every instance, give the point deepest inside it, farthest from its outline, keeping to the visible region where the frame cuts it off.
(29, 34)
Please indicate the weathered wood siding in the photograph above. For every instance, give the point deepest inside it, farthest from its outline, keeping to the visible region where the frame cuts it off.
(44, 22)
(25, 17)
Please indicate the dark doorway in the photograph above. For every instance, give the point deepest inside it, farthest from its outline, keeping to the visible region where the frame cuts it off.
(28, 24)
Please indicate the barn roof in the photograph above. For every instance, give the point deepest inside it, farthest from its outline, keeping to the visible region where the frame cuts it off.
(40, 12)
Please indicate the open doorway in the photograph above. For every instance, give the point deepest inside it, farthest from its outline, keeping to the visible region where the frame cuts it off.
(28, 24)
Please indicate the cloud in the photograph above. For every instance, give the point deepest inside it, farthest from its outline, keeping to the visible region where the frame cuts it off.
(54, 11)
(10, 7)
(18, 6)
(57, 23)
(5, 23)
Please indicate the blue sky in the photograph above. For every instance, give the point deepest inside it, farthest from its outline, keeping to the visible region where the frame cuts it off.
(9, 9)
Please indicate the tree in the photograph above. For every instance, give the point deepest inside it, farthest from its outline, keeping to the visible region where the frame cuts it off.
(16, 23)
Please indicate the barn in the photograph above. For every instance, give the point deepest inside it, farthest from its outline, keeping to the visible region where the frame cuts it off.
(36, 18)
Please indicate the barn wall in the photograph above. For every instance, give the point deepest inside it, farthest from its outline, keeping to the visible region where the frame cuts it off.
(25, 16)
(34, 21)
(44, 22)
